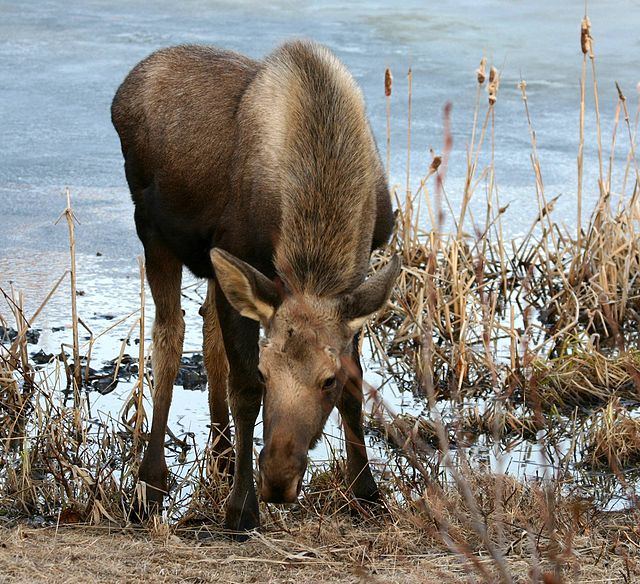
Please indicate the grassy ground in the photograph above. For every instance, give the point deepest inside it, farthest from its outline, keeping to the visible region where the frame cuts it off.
(84, 555)
(502, 530)
(334, 553)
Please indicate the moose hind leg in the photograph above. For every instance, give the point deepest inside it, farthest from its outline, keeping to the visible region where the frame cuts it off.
(215, 360)
(361, 481)
(164, 274)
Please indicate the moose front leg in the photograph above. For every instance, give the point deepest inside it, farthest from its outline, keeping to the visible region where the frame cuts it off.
(359, 474)
(245, 398)
(164, 274)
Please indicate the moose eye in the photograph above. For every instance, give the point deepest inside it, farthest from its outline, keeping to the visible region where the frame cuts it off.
(329, 383)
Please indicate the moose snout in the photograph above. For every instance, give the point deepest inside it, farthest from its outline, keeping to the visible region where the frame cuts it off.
(281, 475)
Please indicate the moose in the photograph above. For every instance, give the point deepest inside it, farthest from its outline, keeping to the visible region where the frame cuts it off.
(263, 177)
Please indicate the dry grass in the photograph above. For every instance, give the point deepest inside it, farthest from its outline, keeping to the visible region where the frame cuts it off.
(613, 439)
(338, 551)
(586, 379)
(506, 342)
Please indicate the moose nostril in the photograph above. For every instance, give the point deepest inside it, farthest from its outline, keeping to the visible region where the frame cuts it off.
(281, 490)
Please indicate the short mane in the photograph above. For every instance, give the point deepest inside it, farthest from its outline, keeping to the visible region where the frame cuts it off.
(325, 163)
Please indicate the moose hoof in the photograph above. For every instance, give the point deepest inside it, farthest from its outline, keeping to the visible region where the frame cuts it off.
(365, 507)
(239, 521)
(364, 487)
(151, 487)
(147, 501)
(366, 494)
(368, 497)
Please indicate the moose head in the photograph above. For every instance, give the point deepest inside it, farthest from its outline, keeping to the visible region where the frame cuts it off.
(304, 360)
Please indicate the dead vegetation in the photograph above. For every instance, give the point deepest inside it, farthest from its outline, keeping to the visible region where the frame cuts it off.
(506, 343)
(339, 552)
(613, 439)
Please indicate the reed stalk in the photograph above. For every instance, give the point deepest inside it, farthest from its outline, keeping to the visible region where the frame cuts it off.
(139, 388)
(77, 367)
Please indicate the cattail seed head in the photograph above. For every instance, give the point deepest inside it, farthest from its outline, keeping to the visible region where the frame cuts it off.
(585, 35)
(435, 164)
(388, 82)
(481, 70)
(494, 83)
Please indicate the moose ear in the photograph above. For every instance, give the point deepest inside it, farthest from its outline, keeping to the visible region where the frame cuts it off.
(250, 292)
(370, 296)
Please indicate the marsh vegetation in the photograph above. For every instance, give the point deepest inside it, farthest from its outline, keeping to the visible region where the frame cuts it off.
(508, 349)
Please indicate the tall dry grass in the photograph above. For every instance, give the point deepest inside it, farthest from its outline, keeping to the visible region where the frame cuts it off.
(533, 340)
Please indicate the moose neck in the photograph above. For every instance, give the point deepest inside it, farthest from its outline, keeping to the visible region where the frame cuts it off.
(324, 164)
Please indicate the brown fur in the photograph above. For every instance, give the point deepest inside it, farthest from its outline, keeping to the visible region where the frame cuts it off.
(310, 142)
(273, 162)
(215, 361)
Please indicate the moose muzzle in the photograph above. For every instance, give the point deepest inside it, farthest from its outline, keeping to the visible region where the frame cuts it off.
(282, 468)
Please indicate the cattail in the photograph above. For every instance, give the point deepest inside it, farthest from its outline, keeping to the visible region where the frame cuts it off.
(481, 70)
(388, 82)
(585, 35)
(435, 164)
(494, 83)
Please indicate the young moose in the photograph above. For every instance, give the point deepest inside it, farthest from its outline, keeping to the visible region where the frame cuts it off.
(263, 177)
